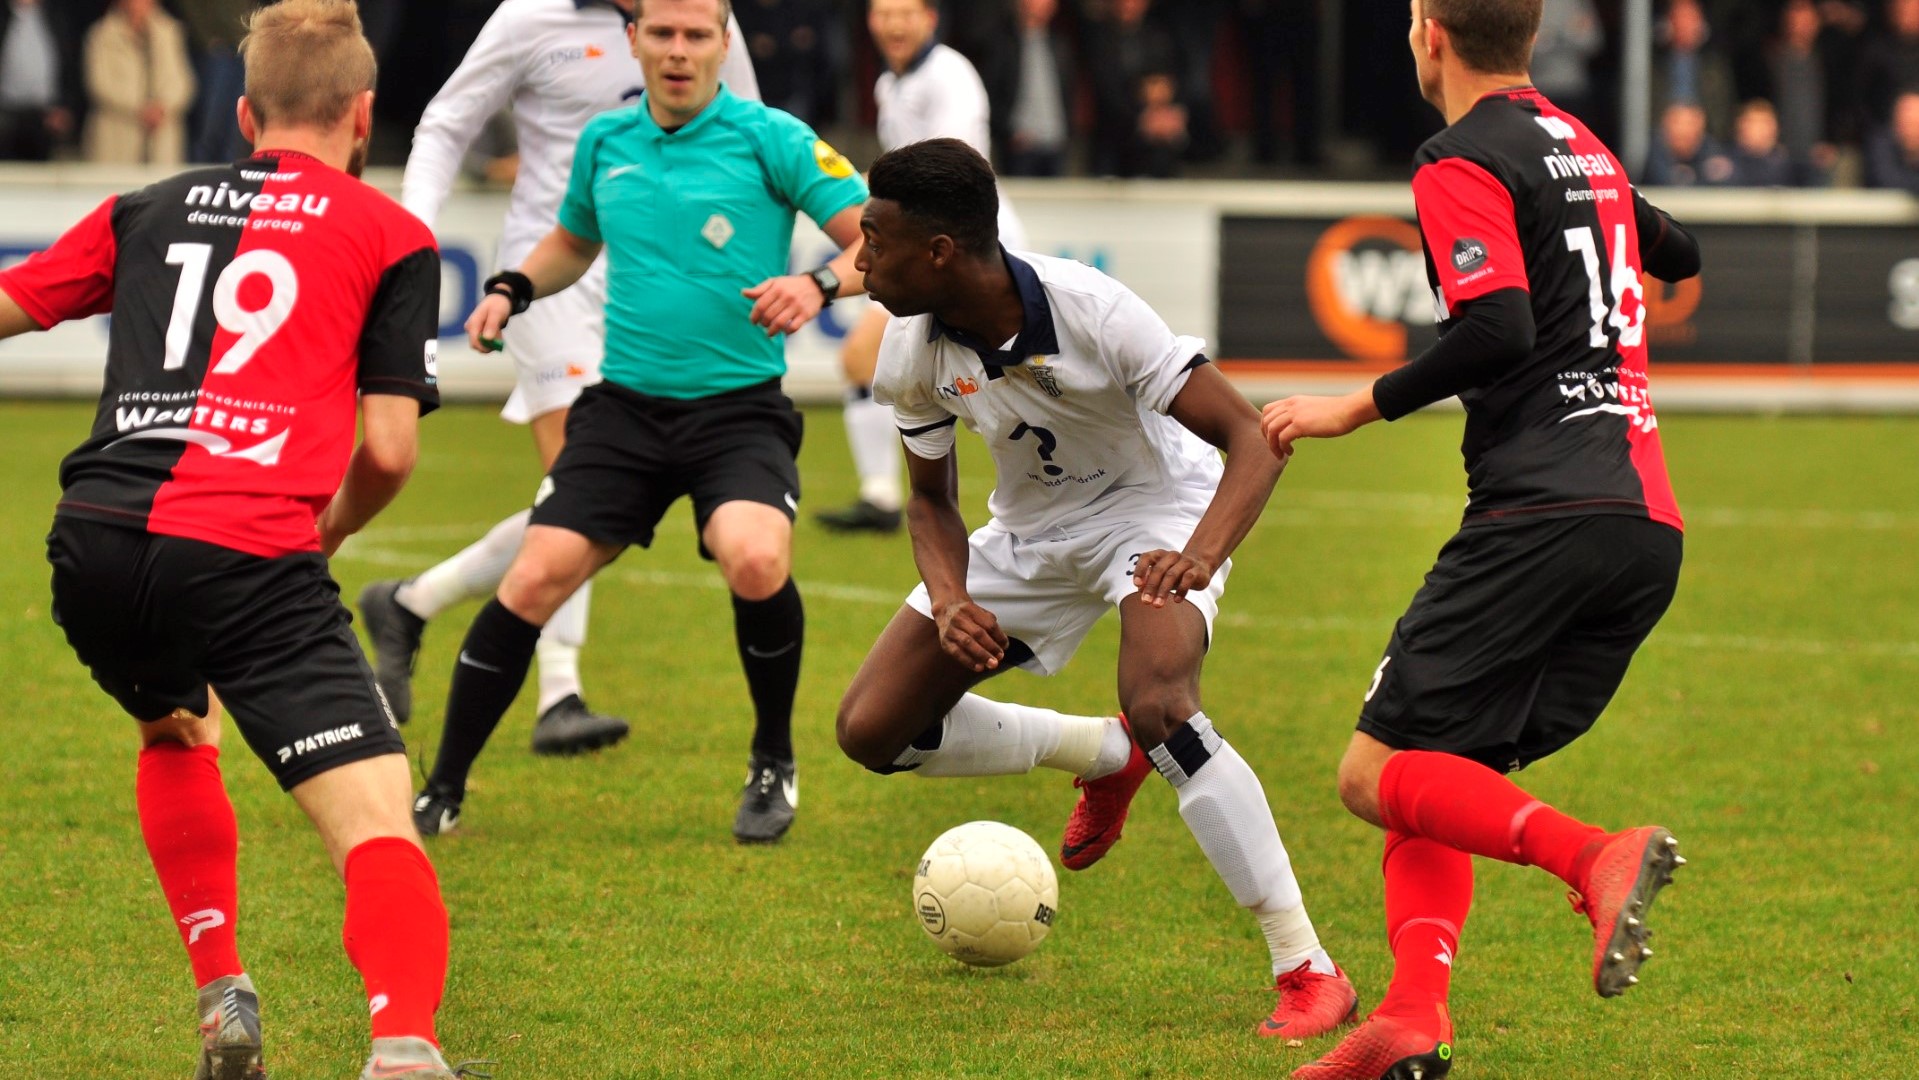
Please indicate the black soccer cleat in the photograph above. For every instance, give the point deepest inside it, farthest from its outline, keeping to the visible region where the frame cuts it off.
(862, 516)
(395, 633)
(229, 1031)
(768, 801)
(436, 812)
(569, 727)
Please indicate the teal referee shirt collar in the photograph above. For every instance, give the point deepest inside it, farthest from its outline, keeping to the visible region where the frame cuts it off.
(713, 108)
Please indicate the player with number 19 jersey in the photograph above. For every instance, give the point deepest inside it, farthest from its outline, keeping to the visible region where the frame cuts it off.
(250, 302)
(1518, 194)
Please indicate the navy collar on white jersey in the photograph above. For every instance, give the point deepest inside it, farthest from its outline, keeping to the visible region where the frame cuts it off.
(919, 58)
(1037, 335)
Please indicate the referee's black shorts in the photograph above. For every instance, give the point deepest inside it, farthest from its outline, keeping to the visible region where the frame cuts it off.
(629, 456)
(158, 618)
(1521, 635)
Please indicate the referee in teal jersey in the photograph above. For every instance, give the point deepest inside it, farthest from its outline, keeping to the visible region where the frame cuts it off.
(692, 192)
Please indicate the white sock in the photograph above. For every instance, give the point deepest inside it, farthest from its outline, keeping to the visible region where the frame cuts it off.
(983, 737)
(559, 649)
(875, 443)
(475, 572)
(1222, 802)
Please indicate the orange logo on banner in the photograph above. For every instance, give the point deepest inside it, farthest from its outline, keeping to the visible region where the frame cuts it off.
(1356, 328)
(1670, 308)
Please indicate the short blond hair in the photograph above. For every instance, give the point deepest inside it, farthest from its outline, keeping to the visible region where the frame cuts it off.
(306, 61)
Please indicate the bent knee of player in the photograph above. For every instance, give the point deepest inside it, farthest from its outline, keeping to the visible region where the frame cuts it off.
(1359, 785)
(534, 587)
(867, 735)
(757, 569)
(1155, 706)
(181, 726)
(369, 799)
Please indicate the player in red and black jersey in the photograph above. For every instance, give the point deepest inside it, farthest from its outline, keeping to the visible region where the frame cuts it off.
(1570, 548)
(258, 308)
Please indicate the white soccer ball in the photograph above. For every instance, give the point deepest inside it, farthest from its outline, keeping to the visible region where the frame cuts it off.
(985, 893)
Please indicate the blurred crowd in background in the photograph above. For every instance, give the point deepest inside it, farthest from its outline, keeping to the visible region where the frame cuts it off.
(1754, 93)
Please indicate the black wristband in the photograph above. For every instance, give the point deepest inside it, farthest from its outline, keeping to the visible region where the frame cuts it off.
(518, 288)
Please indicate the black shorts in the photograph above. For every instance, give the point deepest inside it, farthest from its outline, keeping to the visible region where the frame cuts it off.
(629, 456)
(1520, 636)
(159, 618)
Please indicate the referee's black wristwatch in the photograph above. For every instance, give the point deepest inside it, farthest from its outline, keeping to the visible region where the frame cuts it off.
(829, 283)
(515, 286)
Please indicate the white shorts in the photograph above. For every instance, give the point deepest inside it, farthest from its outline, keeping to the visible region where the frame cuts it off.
(556, 346)
(1049, 592)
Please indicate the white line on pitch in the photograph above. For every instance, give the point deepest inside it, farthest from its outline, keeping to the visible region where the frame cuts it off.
(866, 594)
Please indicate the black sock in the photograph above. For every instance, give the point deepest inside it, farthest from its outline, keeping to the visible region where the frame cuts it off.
(770, 633)
(493, 661)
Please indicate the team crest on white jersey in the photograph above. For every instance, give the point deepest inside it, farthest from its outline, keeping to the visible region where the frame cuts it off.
(1044, 376)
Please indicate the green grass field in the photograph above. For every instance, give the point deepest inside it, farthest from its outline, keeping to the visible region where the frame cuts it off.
(605, 925)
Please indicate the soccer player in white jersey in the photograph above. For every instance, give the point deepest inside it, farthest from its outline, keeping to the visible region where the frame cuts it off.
(1098, 419)
(559, 63)
(928, 91)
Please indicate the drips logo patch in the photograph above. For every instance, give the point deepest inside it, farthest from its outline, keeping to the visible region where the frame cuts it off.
(1468, 254)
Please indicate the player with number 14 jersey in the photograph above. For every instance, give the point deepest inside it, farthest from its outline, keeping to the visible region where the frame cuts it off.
(1570, 548)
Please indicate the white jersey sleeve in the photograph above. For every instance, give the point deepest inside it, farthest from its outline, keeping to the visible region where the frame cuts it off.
(481, 86)
(1143, 353)
(737, 70)
(900, 382)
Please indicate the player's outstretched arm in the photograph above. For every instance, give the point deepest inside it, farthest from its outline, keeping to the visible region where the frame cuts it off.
(14, 319)
(783, 304)
(1308, 416)
(389, 443)
(1488, 336)
(560, 259)
(968, 633)
(485, 81)
(1210, 408)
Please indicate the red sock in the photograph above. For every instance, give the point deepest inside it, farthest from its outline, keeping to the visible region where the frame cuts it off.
(1429, 889)
(396, 935)
(1465, 805)
(194, 842)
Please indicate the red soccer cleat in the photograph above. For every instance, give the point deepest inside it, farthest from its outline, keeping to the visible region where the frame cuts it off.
(1094, 827)
(1310, 1005)
(1628, 873)
(1388, 1048)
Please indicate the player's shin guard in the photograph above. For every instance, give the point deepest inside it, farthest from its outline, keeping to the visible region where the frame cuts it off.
(559, 649)
(983, 737)
(475, 572)
(1222, 802)
(875, 443)
(770, 635)
(1466, 805)
(396, 935)
(1429, 890)
(493, 661)
(191, 834)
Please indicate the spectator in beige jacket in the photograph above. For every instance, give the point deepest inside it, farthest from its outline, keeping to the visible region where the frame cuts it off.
(140, 81)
